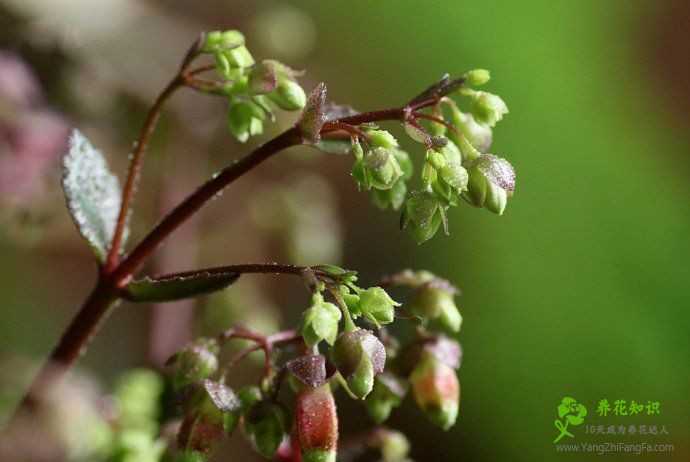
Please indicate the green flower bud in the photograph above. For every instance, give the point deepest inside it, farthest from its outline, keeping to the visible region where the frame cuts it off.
(352, 303)
(496, 199)
(491, 179)
(195, 362)
(288, 95)
(405, 163)
(393, 445)
(317, 424)
(436, 390)
(222, 40)
(362, 381)
(477, 77)
(239, 57)
(451, 153)
(488, 108)
(436, 159)
(422, 215)
(359, 174)
(388, 393)
(245, 119)
(480, 136)
(436, 301)
(382, 139)
(381, 168)
(377, 306)
(320, 322)
(451, 180)
(393, 197)
(358, 356)
(268, 422)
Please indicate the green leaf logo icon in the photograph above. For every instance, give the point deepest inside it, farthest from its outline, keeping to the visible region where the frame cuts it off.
(572, 413)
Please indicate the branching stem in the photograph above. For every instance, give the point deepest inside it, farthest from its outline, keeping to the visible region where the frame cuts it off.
(117, 272)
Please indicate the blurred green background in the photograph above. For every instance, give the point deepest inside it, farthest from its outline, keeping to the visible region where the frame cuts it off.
(581, 289)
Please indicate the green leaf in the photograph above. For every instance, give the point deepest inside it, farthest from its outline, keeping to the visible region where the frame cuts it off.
(180, 286)
(93, 193)
(341, 145)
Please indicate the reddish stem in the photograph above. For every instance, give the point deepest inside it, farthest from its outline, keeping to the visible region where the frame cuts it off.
(119, 273)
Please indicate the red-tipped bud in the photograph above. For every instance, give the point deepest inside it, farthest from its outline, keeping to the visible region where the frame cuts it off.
(317, 424)
(436, 390)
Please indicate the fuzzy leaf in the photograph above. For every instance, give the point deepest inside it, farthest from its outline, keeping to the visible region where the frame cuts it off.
(222, 396)
(177, 287)
(310, 370)
(313, 114)
(93, 193)
(497, 170)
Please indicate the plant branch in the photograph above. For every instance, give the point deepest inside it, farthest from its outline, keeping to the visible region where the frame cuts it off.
(130, 188)
(118, 273)
(194, 202)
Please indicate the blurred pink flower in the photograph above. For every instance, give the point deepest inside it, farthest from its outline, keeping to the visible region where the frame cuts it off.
(18, 84)
(32, 136)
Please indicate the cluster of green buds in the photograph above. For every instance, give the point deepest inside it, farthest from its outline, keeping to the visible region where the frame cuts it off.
(456, 164)
(253, 88)
(382, 166)
(344, 344)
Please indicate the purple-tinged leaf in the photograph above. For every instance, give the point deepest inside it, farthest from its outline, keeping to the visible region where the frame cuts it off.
(263, 78)
(395, 384)
(310, 370)
(313, 114)
(497, 170)
(178, 287)
(443, 87)
(446, 350)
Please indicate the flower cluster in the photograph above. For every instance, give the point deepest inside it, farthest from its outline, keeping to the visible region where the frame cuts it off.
(456, 163)
(364, 360)
(253, 88)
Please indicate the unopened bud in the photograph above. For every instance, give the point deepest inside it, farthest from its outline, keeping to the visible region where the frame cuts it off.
(320, 321)
(317, 424)
(488, 108)
(359, 356)
(268, 422)
(490, 180)
(422, 215)
(377, 306)
(381, 168)
(245, 119)
(437, 390)
(435, 302)
(477, 77)
(195, 362)
(218, 40)
(288, 95)
(388, 393)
